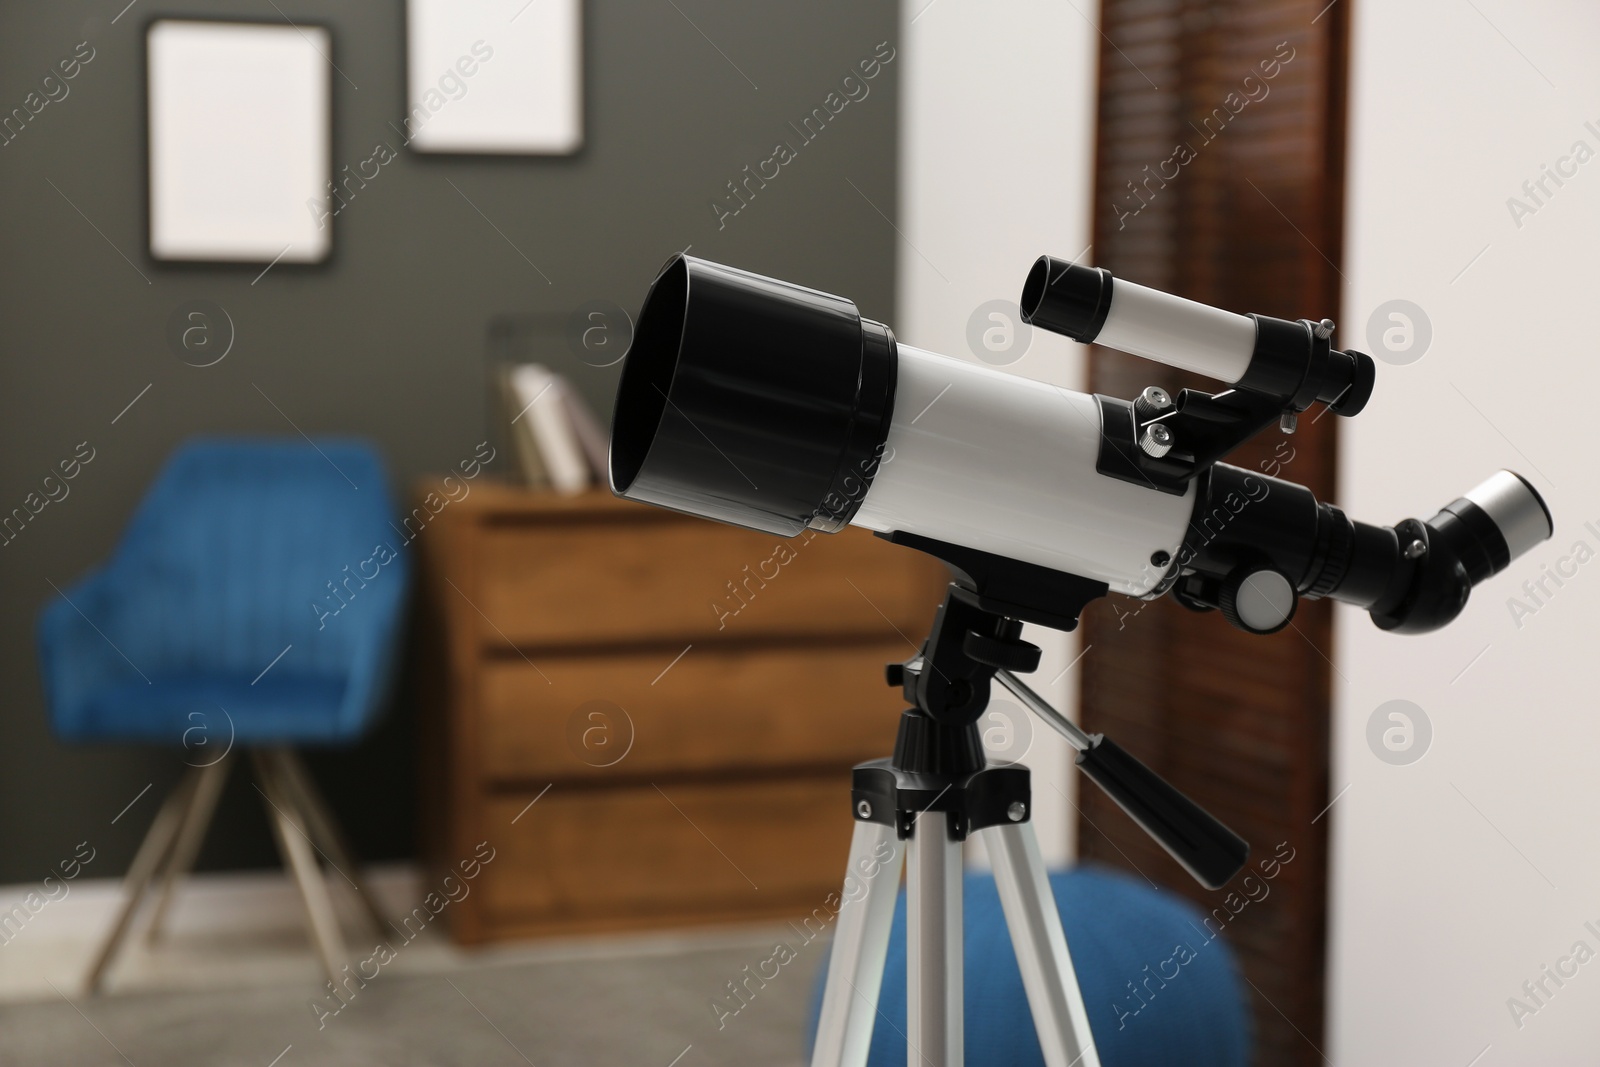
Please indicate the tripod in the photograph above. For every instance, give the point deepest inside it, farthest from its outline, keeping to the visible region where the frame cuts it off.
(916, 809)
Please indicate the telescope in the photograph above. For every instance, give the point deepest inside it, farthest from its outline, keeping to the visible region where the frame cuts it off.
(768, 405)
(776, 407)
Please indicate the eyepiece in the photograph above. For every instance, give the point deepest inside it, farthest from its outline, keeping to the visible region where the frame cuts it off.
(1416, 577)
(1516, 509)
(751, 400)
(1467, 542)
(1249, 530)
(1065, 298)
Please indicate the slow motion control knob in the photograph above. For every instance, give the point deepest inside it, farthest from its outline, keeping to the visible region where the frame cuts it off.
(1257, 599)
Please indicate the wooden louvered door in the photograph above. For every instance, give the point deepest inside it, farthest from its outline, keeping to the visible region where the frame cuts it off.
(1219, 176)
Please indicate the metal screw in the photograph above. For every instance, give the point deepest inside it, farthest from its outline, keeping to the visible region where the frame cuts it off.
(1156, 397)
(1324, 329)
(1416, 549)
(1156, 441)
(863, 809)
(1160, 558)
(1016, 811)
(1288, 422)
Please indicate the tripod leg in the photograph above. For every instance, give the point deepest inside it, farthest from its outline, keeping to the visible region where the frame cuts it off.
(1058, 1012)
(934, 1002)
(860, 945)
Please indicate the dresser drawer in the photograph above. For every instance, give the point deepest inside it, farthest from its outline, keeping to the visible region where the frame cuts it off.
(590, 858)
(692, 695)
(573, 584)
(639, 714)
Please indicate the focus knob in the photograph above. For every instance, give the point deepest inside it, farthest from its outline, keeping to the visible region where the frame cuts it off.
(1257, 599)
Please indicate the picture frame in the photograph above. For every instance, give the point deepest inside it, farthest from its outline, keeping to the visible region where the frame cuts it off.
(239, 141)
(494, 77)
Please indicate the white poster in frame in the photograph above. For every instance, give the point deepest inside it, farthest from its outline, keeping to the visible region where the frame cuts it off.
(494, 76)
(240, 129)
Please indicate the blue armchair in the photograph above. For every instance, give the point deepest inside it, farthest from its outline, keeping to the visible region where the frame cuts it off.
(254, 603)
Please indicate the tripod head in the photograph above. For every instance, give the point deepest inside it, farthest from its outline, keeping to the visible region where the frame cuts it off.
(938, 747)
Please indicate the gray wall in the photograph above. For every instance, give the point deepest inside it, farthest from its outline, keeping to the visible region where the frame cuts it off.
(388, 339)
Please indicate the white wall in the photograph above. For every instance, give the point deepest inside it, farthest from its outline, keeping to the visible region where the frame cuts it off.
(995, 162)
(1458, 877)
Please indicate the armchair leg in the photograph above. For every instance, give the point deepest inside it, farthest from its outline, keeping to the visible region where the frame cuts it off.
(325, 832)
(191, 835)
(295, 848)
(153, 852)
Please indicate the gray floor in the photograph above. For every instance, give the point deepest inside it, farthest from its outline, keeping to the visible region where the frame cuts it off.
(642, 1011)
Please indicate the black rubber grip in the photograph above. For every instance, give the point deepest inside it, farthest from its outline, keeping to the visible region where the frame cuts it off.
(1208, 850)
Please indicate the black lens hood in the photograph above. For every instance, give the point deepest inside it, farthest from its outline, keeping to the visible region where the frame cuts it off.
(751, 400)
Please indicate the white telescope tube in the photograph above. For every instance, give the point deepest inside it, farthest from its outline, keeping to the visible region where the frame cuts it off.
(1087, 304)
(1006, 465)
(1180, 333)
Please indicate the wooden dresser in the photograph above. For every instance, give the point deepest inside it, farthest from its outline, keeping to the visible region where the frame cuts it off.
(650, 718)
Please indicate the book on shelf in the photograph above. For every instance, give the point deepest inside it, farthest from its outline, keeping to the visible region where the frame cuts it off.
(592, 437)
(555, 439)
(523, 462)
